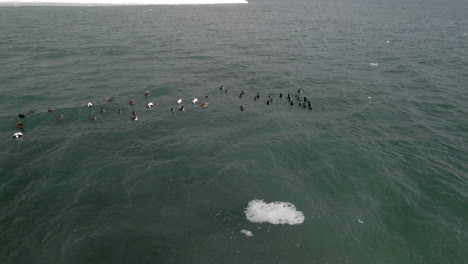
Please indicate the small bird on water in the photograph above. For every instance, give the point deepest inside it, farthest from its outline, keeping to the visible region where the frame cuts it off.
(20, 125)
(17, 135)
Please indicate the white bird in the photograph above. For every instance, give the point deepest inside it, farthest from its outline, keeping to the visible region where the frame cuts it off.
(135, 118)
(17, 135)
(194, 101)
(90, 105)
(150, 104)
(179, 101)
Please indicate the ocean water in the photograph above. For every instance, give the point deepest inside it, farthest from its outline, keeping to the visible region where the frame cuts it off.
(378, 167)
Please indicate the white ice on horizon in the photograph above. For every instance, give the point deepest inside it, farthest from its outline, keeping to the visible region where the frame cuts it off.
(120, 2)
(258, 211)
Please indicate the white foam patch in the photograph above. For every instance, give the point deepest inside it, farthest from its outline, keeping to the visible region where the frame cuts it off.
(258, 211)
(374, 64)
(246, 232)
(120, 2)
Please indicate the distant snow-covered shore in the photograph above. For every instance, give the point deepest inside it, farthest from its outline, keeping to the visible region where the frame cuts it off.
(120, 2)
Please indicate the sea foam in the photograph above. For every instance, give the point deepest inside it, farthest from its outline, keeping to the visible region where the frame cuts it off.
(258, 211)
(120, 2)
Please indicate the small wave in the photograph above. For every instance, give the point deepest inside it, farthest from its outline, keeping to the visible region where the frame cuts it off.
(258, 211)
(247, 233)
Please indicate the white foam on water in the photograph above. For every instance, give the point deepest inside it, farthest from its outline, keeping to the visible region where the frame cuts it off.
(120, 2)
(258, 211)
(374, 64)
(360, 221)
(246, 232)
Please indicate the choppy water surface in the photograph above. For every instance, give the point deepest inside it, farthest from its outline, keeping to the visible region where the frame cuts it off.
(378, 168)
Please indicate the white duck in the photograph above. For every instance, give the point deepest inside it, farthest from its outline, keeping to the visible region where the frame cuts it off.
(17, 135)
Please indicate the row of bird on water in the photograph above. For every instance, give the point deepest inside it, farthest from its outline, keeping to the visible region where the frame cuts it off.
(302, 102)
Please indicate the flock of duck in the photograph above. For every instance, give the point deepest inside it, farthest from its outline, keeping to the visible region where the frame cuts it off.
(301, 101)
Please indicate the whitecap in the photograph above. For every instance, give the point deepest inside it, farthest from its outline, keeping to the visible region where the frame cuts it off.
(258, 211)
(374, 64)
(246, 232)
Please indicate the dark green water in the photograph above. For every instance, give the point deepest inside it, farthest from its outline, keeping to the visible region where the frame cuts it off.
(380, 180)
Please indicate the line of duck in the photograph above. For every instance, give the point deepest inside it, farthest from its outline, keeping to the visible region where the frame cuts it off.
(302, 101)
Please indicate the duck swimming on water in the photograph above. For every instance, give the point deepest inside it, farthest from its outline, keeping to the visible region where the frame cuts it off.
(150, 104)
(179, 101)
(195, 100)
(90, 105)
(204, 105)
(17, 135)
(20, 115)
(20, 125)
